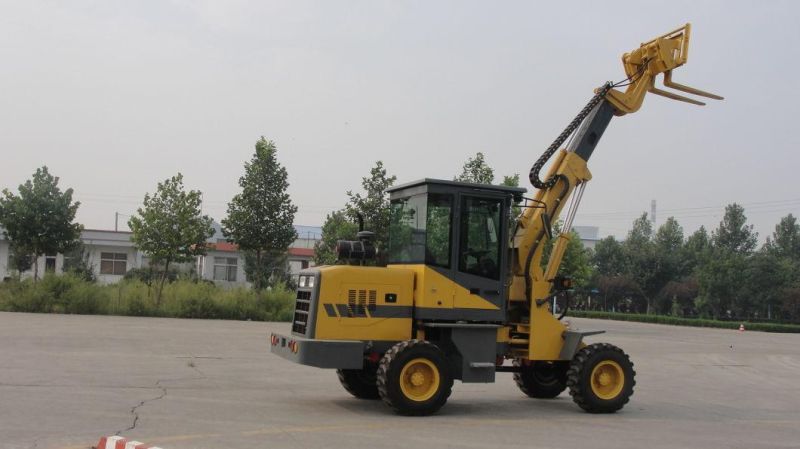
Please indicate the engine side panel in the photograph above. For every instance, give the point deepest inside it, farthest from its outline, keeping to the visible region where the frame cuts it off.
(365, 303)
(438, 297)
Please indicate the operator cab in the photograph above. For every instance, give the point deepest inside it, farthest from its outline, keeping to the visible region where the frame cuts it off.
(461, 232)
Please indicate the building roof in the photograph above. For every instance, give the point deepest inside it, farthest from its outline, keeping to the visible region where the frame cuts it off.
(308, 232)
(304, 252)
(224, 246)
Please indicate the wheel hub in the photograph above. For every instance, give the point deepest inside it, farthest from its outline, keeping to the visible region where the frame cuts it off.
(419, 380)
(607, 379)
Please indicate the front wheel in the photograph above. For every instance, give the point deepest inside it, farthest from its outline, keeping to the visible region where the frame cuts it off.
(414, 379)
(601, 378)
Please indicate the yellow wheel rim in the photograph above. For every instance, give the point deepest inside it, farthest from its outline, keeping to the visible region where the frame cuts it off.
(419, 380)
(607, 379)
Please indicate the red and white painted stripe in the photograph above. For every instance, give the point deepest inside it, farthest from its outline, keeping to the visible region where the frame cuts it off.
(117, 442)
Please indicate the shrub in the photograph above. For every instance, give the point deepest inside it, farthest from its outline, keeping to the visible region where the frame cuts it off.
(694, 322)
(85, 298)
(28, 297)
(278, 304)
(148, 275)
(240, 303)
(181, 299)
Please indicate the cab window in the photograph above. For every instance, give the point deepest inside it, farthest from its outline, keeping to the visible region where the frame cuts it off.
(420, 230)
(479, 241)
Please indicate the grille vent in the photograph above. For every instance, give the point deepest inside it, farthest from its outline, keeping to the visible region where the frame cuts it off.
(359, 301)
(302, 306)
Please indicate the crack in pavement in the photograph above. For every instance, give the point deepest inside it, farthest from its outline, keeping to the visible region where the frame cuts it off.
(135, 412)
(135, 408)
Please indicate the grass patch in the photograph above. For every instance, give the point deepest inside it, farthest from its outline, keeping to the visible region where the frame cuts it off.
(130, 297)
(694, 322)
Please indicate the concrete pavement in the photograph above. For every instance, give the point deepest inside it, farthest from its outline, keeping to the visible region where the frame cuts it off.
(67, 380)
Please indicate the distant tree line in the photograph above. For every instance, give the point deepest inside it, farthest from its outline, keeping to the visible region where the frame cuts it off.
(169, 227)
(718, 275)
(722, 274)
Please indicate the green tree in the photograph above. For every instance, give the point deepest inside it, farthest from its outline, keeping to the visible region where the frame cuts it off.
(719, 279)
(670, 266)
(733, 233)
(678, 296)
(619, 293)
(720, 275)
(766, 276)
(260, 218)
(269, 270)
(337, 227)
(169, 227)
(41, 219)
(695, 249)
(785, 240)
(76, 262)
(609, 258)
(19, 260)
(373, 206)
(478, 171)
(640, 251)
(512, 181)
(790, 303)
(576, 260)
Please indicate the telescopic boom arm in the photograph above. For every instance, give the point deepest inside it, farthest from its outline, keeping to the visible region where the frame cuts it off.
(531, 283)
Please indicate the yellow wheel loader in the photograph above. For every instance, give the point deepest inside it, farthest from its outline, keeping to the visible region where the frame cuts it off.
(465, 295)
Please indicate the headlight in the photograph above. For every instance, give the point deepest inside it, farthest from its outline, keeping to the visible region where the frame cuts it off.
(311, 281)
(302, 281)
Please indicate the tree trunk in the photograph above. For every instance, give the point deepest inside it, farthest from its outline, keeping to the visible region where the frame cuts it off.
(150, 281)
(161, 286)
(259, 274)
(35, 268)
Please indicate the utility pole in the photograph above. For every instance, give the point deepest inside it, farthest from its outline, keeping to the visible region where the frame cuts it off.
(116, 221)
(653, 213)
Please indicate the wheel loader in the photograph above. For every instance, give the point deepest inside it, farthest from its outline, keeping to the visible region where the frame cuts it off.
(465, 294)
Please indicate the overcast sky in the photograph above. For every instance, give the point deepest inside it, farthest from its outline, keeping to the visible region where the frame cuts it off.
(116, 96)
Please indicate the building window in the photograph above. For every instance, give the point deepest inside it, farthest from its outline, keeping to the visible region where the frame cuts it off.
(303, 264)
(225, 268)
(113, 263)
(50, 263)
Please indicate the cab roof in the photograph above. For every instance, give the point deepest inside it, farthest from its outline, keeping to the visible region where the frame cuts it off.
(440, 185)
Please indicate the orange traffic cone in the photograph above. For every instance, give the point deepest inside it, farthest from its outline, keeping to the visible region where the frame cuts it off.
(741, 327)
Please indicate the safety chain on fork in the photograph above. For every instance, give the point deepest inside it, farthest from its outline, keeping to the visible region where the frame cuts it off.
(573, 125)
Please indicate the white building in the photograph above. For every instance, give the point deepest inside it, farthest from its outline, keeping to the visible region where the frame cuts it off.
(590, 235)
(111, 254)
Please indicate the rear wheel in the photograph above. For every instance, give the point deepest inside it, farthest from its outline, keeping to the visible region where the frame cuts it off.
(361, 383)
(541, 380)
(414, 379)
(601, 378)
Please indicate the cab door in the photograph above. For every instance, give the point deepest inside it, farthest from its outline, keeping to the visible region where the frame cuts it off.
(481, 256)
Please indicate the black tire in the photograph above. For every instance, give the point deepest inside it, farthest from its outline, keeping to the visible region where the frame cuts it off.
(361, 383)
(586, 392)
(541, 380)
(409, 355)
